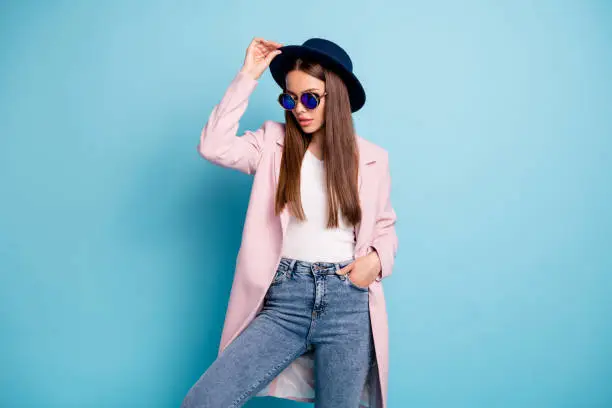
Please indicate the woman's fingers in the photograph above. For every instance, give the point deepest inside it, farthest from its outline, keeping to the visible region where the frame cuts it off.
(259, 54)
(266, 48)
(346, 269)
(272, 44)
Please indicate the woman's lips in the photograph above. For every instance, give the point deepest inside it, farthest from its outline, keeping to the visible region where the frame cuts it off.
(305, 121)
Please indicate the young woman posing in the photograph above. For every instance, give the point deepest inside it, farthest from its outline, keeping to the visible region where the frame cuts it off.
(306, 318)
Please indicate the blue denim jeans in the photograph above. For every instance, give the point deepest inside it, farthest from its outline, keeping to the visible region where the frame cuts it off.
(308, 307)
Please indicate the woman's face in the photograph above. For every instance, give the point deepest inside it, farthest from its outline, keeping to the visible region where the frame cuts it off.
(298, 82)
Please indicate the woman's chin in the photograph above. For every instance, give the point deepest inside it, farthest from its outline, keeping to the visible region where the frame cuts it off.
(309, 128)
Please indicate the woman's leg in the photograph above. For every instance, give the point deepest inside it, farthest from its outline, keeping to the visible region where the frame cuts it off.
(246, 365)
(343, 344)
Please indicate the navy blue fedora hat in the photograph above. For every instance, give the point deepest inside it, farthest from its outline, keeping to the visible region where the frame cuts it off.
(330, 55)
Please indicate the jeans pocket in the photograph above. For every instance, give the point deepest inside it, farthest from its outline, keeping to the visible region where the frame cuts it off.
(350, 282)
(282, 273)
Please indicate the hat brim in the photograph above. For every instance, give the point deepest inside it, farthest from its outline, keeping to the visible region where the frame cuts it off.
(282, 63)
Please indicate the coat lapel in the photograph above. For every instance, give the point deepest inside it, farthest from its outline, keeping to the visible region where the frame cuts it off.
(366, 158)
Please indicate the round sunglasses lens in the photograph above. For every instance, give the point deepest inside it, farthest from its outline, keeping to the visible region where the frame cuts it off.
(309, 100)
(286, 101)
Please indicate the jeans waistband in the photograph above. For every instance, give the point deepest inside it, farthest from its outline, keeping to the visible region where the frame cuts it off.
(319, 267)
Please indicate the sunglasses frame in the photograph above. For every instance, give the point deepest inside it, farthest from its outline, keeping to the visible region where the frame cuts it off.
(298, 98)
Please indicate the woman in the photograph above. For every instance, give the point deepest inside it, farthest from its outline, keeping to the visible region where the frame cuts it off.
(306, 318)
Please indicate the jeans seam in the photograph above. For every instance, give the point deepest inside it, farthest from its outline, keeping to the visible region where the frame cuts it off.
(284, 274)
(266, 376)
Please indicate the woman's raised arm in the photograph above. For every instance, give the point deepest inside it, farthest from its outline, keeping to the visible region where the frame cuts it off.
(219, 142)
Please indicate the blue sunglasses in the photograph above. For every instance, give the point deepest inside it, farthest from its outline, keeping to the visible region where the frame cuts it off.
(310, 100)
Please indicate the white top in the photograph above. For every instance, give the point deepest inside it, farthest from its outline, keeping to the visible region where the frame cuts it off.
(310, 240)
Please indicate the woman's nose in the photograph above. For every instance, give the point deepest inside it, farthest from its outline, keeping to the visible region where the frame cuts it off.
(299, 108)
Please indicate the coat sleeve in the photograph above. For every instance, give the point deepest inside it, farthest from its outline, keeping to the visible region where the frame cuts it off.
(219, 142)
(385, 238)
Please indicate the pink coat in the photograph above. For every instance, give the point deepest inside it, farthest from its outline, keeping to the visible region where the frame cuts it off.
(259, 153)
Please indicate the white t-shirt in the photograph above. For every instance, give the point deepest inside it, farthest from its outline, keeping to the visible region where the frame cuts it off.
(310, 240)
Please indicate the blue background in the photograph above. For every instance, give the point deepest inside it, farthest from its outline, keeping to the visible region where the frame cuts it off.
(117, 241)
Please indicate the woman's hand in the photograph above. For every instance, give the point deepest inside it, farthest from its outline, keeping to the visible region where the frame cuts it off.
(363, 269)
(258, 56)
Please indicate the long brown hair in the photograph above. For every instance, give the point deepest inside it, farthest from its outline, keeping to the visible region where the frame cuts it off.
(340, 153)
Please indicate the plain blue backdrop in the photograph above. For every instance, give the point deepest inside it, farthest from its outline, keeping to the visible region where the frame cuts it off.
(118, 242)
